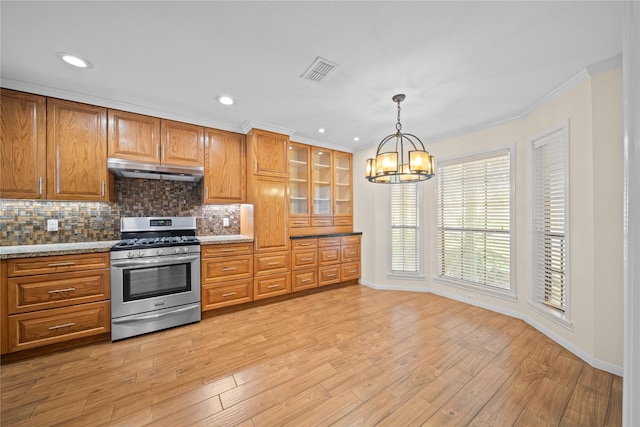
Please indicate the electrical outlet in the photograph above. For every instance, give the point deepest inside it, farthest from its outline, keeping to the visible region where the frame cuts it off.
(225, 222)
(52, 225)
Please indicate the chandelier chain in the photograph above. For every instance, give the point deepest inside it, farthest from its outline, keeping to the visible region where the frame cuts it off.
(398, 125)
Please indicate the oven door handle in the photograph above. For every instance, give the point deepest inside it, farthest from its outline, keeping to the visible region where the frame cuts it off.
(156, 316)
(145, 262)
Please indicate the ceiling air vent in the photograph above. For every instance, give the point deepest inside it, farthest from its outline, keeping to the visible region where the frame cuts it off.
(319, 69)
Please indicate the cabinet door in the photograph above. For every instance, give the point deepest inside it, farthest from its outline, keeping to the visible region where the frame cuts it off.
(181, 144)
(270, 214)
(133, 136)
(299, 171)
(321, 183)
(23, 149)
(342, 182)
(269, 153)
(76, 151)
(224, 167)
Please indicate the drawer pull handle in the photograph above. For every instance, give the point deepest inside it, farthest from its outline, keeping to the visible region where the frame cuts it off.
(274, 263)
(61, 264)
(305, 280)
(353, 271)
(272, 286)
(305, 244)
(331, 257)
(229, 268)
(352, 253)
(229, 294)
(330, 275)
(305, 259)
(64, 325)
(229, 250)
(56, 291)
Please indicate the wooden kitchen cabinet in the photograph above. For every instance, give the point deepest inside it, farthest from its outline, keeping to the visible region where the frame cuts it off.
(270, 208)
(321, 187)
(268, 153)
(271, 286)
(23, 145)
(342, 184)
(304, 256)
(55, 299)
(182, 143)
(224, 167)
(299, 173)
(133, 136)
(271, 263)
(77, 152)
(226, 272)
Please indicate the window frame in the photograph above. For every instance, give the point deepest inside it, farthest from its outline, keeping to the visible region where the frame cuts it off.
(560, 317)
(507, 294)
(419, 274)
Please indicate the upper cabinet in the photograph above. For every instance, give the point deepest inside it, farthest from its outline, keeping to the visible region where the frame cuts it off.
(321, 186)
(299, 201)
(182, 143)
(268, 153)
(224, 167)
(23, 145)
(76, 152)
(150, 139)
(342, 184)
(134, 136)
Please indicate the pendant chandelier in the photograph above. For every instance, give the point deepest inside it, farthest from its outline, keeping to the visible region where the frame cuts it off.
(404, 158)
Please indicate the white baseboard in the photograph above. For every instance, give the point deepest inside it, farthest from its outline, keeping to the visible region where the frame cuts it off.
(596, 363)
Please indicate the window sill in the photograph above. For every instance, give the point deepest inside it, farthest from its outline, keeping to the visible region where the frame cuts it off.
(550, 313)
(406, 276)
(485, 290)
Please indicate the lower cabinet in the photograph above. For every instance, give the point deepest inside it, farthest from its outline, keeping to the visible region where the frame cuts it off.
(226, 273)
(270, 286)
(229, 293)
(55, 299)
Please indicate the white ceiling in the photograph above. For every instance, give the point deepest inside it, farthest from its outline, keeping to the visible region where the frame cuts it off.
(461, 64)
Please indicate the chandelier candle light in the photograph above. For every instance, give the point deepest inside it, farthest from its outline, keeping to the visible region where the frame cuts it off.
(404, 159)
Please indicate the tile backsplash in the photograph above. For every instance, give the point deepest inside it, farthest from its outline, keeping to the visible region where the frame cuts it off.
(24, 222)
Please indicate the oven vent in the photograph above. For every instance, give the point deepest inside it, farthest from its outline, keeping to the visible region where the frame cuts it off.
(319, 69)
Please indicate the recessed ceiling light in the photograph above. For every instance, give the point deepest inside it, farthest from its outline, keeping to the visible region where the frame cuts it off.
(355, 138)
(76, 61)
(225, 100)
(321, 130)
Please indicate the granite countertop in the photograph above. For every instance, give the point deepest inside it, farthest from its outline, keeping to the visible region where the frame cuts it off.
(25, 251)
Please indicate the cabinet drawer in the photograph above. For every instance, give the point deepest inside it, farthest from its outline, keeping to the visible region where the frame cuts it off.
(304, 258)
(228, 268)
(349, 271)
(343, 220)
(30, 293)
(328, 241)
(277, 262)
(304, 243)
(57, 264)
(226, 249)
(44, 327)
(270, 286)
(231, 293)
(328, 256)
(299, 222)
(328, 275)
(304, 279)
(350, 253)
(321, 221)
(350, 240)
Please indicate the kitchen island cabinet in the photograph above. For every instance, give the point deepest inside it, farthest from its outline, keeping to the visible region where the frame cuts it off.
(23, 145)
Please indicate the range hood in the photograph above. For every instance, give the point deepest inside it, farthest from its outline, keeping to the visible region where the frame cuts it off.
(136, 169)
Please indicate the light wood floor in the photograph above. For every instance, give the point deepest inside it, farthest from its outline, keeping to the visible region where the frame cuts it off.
(346, 357)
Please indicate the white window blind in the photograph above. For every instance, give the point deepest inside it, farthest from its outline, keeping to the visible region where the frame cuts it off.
(474, 220)
(405, 228)
(549, 219)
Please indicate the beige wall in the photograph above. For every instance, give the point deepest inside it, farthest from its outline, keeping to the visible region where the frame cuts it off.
(593, 109)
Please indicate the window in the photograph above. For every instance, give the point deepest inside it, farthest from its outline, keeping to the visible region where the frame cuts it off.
(549, 230)
(475, 200)
(405, 229)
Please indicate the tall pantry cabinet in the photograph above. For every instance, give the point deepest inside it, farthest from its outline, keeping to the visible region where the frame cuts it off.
(268, 191)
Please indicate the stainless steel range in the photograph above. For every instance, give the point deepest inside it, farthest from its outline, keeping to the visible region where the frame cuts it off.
(155, 275)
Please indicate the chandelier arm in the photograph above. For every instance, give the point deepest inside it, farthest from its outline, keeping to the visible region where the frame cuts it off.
(418, 139)
(384, 141)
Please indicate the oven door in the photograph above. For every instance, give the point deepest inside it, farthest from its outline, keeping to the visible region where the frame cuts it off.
(147, 284)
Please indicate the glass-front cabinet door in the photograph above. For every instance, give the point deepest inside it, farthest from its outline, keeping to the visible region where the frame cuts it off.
(321, 187)
(300, 203)
(343, 202)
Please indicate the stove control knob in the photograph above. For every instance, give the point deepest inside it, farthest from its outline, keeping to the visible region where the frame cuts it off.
(160, 251)
(140, 254)
(176, 250)
(130, 254)
(185, 250)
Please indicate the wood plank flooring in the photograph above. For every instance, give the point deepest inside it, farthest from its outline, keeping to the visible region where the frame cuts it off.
(347, 356)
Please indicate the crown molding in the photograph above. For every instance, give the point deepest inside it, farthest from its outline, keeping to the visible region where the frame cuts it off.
(605, 65)
(321, 144)
(118, 105)
(248, 125)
